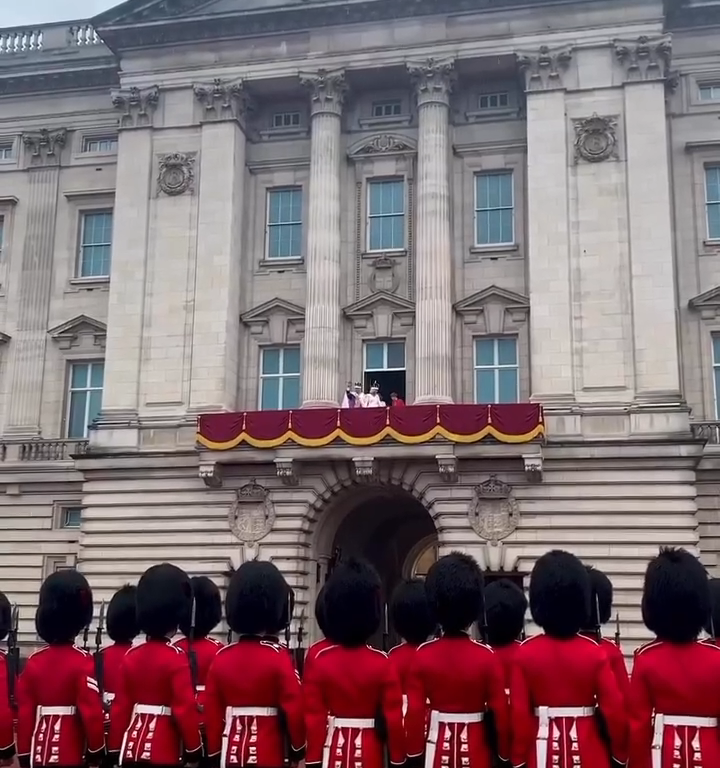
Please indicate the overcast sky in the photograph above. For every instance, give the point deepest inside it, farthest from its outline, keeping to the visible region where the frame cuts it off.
(15, 13)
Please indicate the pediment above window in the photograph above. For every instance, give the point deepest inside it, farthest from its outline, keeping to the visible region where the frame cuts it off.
(707, 304)
(494, 310)
(382, 145)
(381, 315)
(277, 321)
(82, 331)
(4, 339)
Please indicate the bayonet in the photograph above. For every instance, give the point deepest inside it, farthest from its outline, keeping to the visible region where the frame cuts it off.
(13, 657)
(192, 658)
(617, 629)
(98, 656)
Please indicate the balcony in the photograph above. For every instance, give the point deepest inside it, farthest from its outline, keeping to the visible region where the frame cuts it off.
(18, 42)
(40, 450)
(709, 431)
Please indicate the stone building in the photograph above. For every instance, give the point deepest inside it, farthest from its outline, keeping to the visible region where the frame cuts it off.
(225, 207)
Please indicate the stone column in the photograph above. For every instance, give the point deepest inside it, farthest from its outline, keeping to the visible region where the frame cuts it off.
(321, 346)
(433, 251)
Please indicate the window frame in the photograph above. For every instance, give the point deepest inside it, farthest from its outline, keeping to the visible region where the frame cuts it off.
(382, 103)
(7, 145)
(714, 87)
(496, 367)
(495, 94)
(477, 175)
(83, 215)
(281, 375)
(369, 217)
(707, 203)
(112, 138)
(69, 389)
(715, 368)
(268, 194)
(284, 113)
(385, 343)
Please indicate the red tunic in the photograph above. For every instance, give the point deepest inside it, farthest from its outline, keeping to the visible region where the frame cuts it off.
(680, 683)
(618, 666)
(112, 658)
(506, 654)
(154, 713)
(459, 679)
(554, 687)
(314, 650)
(7, 716)
(249, 684)
(345, 690)
(58, 697)
(206, 649)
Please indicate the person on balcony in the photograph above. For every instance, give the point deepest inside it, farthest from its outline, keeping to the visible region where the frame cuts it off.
(396, 401)
(373, 400)
(353, 398)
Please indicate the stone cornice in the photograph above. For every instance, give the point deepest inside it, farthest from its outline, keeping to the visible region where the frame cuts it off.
(93, 76)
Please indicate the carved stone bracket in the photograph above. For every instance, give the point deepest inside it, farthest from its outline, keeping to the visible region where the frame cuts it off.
(595, 138)
(533, 464)
(137, 106)
(176, 173)
(45, 143)
(433, 80)
(364, 468)
(327, 90)
(493, 512)
(222, 100)
(210, 473)
(251, 517)
(447, 467)
(645, 58)
(285, 470)
(544, 69)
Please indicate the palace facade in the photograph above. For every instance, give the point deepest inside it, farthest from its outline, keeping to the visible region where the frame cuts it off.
(214, 214)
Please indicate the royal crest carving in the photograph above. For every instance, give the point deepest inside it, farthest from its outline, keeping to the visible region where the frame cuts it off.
(645, 58)
(176, 173)
(595, 138)
(493, 512)
(44, 143)
(221, 99)
(384, 276)
(137, 105)
(251, 516)
(544, 68)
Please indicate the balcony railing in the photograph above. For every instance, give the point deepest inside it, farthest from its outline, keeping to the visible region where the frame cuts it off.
(41, 450)
(706, 430)
(19, 41)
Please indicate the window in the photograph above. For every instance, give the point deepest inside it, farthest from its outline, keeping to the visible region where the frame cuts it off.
(280, 378)
(286, 120)
(7, 151)
(100, 144)
(709, 92)
(71, 517)
(387, 108)
(493, 101)
(284, 223)
(385, 356)
(84, 397)
(494, 209)
(716, 372)
(712, 201)
(95, 244)
(386, 215)
(496, 370)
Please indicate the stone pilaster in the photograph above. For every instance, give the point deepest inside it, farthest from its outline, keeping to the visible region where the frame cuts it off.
(321, 347)
(433, 252)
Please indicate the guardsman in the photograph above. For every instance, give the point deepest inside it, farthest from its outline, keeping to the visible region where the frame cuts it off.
(7, 716)
(60, 711)
(412, 619)
(559, 679)
(675, 685)
(122, 629)
(353, 698)
(324, 641)
(459, 678)
(505, 608)
(601, 599)
(253, 697)
(154, 720)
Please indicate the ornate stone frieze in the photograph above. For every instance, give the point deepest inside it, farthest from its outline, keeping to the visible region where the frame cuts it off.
(176, 173)
(595, 138)
(327, 90)
(447, 464)
(251, 517)
(645, 58)
(364, 468)
(493, 511)
(285, 469)
(544, 69)
(223, 99)
(384, 144)
(136, 105)
(45, 144)
(210, 473)
(433, 80)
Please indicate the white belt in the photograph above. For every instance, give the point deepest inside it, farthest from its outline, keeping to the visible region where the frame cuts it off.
(445, 718)
(231, 713)
(675, 721)
(108, 698)
(199, 688)
(405, 701)
(56, 711)
(545, 715)
(333, 723)
(151, 709)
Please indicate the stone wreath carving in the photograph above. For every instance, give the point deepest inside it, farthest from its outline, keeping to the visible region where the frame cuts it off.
(385, 144)
(595, 139)
(176, 173)
(493, 511)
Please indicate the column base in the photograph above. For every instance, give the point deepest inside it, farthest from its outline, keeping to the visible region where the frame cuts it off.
(433, 400)
(320, 404)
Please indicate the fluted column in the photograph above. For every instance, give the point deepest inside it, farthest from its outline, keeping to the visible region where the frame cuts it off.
(321, 346)
(433, 255)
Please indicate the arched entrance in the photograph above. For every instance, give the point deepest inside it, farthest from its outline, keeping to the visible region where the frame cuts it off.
(387, 526)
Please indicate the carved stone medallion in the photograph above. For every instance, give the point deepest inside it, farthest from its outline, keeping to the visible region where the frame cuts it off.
(176, 173)
(251, 516)
(595, 139)
(493, 511)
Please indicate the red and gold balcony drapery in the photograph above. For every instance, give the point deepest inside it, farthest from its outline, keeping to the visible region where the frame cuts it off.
(367, 426)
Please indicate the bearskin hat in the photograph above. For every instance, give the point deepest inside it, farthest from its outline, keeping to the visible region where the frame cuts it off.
(505, 607)
(164, 599)
(256, 599)
(353, 602)
(208, 608)
(320, 611)
(65, 607)
(122, 626)
(454, 587)
(410, 612)
(5, 616)
(712, 626)
(676, 596)
(601, 598)
(560, 594)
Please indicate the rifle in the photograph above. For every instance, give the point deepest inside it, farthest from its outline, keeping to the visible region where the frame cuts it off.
(13, 655)
(289, 620)
(299, 650)
(86, 638)
(617, 629)
(192, 658)
(598, 625)
(98, 655)
(229, 636)
(386, 632)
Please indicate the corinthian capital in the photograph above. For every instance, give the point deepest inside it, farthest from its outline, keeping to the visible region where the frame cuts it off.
(221, 99)
(433, 80)
(644, 58)
(544, 68)
(327, 91)
(136, 105)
